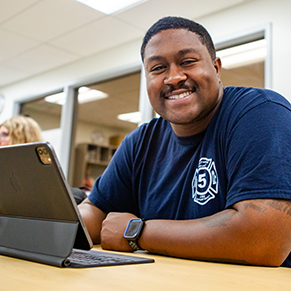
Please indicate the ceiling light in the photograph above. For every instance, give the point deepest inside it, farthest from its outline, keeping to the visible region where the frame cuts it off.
(85, 94)
(58, 98)
(110, 6)
(133, 117)
(243, 55)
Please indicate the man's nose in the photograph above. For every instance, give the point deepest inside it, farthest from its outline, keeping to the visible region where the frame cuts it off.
(175, 75)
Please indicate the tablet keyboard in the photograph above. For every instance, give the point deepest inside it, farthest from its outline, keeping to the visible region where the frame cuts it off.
(83, 259)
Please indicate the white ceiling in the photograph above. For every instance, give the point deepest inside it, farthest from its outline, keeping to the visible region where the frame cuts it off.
(41, 35)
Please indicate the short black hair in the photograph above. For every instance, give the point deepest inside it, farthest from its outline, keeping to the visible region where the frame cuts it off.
(173, 22)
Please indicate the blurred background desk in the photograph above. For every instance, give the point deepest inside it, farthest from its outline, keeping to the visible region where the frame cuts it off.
(165, 274)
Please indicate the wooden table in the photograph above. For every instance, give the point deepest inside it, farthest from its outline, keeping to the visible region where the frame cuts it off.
(165, 274)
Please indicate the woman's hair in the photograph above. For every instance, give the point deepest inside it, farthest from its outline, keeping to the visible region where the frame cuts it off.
(23, 129)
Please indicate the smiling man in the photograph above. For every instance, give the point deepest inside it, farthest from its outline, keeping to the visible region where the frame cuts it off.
(183, 80)
(211, 178)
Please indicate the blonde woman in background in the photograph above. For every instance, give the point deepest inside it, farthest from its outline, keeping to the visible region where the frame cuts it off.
(19, 129)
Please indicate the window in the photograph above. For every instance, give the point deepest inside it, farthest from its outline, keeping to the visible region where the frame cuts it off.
(99, 127)
(246, 58)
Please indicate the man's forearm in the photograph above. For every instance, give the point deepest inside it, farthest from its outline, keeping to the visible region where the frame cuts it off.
(253, 233)
(204, 239)
(93, 218)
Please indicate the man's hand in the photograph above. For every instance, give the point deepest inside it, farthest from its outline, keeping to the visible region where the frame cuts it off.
(113, 228)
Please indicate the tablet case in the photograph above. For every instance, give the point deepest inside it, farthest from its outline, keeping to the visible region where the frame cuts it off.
(39, 219)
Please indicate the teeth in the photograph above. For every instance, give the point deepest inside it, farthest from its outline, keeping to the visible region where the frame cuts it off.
(182, 95)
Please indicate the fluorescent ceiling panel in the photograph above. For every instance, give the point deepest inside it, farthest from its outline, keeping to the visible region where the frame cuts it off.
(110, 6)
(133, 117)
(85, 95)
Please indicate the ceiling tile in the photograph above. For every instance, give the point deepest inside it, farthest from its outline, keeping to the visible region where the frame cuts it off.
(40, 59)
(98, 36)
(10, 8)
(146, 14)
(51, 18)
(13, 44)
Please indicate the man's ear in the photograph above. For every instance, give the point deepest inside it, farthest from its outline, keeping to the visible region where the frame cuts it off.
(217, 66)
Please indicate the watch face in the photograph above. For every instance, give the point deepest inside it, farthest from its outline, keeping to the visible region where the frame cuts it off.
(133, 228)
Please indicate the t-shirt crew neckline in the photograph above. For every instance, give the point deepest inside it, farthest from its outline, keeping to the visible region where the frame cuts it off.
(189, 140)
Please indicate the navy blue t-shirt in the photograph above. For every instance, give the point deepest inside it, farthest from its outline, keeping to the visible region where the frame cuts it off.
(245, 153)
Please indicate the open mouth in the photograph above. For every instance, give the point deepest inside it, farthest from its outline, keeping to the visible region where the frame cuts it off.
(179, 96)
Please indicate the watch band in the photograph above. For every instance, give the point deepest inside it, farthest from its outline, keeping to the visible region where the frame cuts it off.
(134, 245)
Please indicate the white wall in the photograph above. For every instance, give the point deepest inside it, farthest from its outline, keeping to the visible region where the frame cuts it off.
(236, 19)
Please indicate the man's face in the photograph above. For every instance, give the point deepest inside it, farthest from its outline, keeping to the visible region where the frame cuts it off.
(183, 82)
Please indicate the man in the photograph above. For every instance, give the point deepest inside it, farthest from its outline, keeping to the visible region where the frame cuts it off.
(211, 177)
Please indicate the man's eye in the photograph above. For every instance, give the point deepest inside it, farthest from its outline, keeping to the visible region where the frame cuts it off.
(157, 68)
(187, 62)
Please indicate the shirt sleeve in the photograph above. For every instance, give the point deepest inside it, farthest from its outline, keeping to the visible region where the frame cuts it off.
(258, 154)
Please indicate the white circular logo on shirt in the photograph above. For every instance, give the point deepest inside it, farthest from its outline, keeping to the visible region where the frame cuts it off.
(205, 182)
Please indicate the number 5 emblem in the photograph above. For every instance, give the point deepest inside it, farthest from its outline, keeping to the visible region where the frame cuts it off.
(205, 182)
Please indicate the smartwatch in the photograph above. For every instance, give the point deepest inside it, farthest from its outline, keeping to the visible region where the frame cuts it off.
(133, 232)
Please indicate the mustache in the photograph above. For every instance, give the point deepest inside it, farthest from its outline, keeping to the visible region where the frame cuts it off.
(168, 89)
